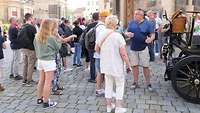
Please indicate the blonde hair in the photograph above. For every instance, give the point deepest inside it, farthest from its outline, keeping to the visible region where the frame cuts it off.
(46, 29)
(111, 21)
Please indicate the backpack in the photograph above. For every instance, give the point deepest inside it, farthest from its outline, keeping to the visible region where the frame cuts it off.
(22, 37)
(90, 39)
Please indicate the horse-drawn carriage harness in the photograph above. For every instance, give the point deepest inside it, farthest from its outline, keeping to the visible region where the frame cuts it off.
(183, 69)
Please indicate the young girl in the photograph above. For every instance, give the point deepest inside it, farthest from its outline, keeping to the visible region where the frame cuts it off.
(47, 46)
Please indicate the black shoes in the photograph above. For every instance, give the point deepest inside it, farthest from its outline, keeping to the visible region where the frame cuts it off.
(92, 81)
(18, 77)
(11, 76)
(79, 65)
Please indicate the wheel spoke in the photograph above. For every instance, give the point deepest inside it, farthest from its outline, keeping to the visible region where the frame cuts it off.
(184, 73)
(181, 79)
(185, 85)
(190, 90)
(197, 92)
(189, 69)
(196, 67)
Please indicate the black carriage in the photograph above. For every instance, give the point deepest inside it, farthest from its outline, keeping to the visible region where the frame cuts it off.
(183, 69)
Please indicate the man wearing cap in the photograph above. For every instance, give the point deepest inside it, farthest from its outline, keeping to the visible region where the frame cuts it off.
(101, 28)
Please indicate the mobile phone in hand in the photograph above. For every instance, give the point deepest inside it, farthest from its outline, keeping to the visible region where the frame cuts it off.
(128, 70)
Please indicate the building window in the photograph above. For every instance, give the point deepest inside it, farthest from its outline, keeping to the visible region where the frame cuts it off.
(151, 3)
(187, 2)
(193, 2)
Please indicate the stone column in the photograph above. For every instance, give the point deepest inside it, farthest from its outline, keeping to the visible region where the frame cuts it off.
(129, 7)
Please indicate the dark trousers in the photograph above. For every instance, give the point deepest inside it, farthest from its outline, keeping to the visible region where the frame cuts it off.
(92, 66)
(151, 51)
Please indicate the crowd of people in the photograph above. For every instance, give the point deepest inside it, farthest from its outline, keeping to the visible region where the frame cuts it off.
(102, 42)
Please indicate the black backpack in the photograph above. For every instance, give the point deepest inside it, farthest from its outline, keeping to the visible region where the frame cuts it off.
(22, 36)
(90, 39)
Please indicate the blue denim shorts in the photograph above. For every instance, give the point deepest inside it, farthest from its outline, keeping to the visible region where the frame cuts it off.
(97, 65)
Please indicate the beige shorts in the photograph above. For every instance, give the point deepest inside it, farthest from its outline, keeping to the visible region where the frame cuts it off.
(140, 57)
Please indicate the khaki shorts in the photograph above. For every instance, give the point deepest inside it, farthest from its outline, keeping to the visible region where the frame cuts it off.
(140, 57)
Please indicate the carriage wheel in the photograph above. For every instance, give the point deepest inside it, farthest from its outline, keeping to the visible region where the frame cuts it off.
(186, 78)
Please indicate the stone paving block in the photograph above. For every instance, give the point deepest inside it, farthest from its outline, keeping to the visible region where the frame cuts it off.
(96, 112)
(168, 108)
(164, 102)
(143, 106)
(132, 105)
(83, 111)
(9, 111)
(72, 106)
(60, 110)
(93, 108)
(62, 105)
(140, 101)
(150, 111)
(151, 102)
(155, 107)
(18, 111)
(138, 111)
(182, 108)
(71, 111)
(159, 111)
(82, 106)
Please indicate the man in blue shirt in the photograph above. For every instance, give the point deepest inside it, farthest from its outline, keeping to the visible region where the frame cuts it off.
(141, 33)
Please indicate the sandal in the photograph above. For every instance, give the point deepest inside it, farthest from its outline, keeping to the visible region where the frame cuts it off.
(60, 88)
(57, 92)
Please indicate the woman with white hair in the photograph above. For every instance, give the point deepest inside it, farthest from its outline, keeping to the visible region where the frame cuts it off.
(113, 55)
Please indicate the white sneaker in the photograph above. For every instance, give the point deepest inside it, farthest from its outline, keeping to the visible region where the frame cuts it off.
(109, 109)
(156, 54)
(120, 110)
(114, 95)
(68, 69)
(149, 87)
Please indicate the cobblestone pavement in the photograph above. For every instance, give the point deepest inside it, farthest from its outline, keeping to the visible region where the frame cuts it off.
(79, 95)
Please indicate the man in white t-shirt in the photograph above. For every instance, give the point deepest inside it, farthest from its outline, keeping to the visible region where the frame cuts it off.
(99, 33)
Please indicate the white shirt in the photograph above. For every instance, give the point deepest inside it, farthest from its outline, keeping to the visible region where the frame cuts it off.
(99, 31)
(158, 22)
(111, 61)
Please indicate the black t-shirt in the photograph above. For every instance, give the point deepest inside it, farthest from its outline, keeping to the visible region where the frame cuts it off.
(1, 47)
(77, 31)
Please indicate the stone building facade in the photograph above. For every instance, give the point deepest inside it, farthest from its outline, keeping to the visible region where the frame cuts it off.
(39, 8)
(14, 8)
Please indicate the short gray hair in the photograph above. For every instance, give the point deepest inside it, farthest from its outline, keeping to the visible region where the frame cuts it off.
(111, 21)
(11, 19)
